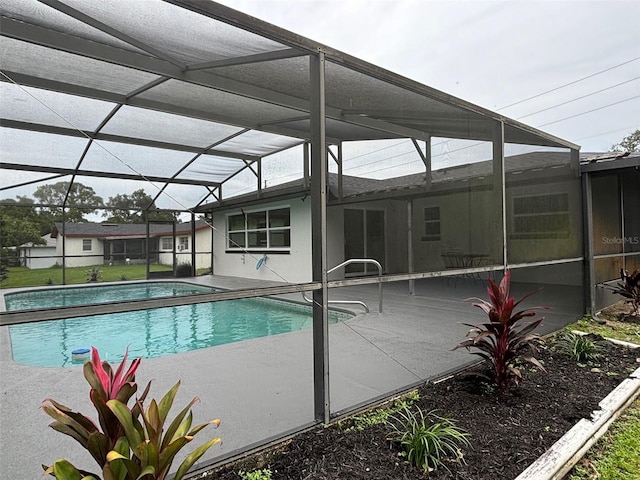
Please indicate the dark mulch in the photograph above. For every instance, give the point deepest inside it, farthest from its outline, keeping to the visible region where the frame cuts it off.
(507, 434)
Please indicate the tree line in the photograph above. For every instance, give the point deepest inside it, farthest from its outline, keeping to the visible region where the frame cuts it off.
(24, 219)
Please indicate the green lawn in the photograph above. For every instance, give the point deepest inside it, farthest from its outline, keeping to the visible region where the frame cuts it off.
(616, 456)
(25, 277)
(626, 331)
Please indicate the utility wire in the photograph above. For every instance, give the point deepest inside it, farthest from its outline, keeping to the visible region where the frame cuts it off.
(579, 98)
(570, 83)
(590, 111)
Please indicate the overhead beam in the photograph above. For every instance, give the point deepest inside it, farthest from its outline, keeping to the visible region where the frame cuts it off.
(103, 27)
(70, 132)
(48, 38)
(248, 59)
(94, 173)
(385, 126)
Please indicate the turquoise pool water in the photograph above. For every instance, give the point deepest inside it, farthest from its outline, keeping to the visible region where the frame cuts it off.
(64, 297)
(158, 332)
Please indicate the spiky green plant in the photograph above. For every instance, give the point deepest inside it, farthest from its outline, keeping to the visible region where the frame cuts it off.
(427, 439)
(579, 347)
(499, 341)
(133, 443)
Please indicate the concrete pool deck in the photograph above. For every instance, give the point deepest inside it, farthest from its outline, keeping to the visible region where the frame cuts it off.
(263, 388)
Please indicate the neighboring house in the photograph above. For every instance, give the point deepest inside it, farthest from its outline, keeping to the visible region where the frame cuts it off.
(85, 244)
(409, 223)
(38, 255)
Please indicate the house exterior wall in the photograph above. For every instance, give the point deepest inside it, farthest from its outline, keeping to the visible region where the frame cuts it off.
(466, 225)
(38, 257)
(470, 223)
(294, 266)
(203, 250)
(75, 256)
(394, 260)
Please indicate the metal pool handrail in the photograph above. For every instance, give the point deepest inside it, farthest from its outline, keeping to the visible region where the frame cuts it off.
(355, 302)
(343, 302)
(364, 260)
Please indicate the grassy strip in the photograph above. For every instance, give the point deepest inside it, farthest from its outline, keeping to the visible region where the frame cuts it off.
(628, 332)
(616, 456)
(25, 277)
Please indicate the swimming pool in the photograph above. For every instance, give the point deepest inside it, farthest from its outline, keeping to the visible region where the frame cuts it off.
(157, 332)
(83, 295)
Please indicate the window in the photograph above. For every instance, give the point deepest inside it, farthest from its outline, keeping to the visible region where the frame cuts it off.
(541, 216)
(260, 230)
(86, 244)
(431, 223)
(183, 243)
(166, 243)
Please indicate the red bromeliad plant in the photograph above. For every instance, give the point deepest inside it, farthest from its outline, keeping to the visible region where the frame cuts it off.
(105, 385)
(630, 289)
(125, 448)
(501, 341)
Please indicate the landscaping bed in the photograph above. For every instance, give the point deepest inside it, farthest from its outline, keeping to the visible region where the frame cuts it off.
(506, 434)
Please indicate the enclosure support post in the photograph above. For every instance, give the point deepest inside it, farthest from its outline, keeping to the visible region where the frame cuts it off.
(64, 247)
(193, 244)
(589, 268)
(305, 164)
(322, 410)
(499, 186)
(412, 283)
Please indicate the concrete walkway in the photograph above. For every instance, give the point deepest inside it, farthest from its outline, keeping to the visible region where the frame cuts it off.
(263, 388)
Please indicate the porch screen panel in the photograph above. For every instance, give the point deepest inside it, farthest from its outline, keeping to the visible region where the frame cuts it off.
(544, 207)
(353, 238)
(607, 215)
(631, 211)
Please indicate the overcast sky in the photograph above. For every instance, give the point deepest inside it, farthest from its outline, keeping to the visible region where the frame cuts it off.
(494, 54)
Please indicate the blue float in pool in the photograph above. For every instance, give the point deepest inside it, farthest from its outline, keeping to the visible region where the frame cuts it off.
(80, 355)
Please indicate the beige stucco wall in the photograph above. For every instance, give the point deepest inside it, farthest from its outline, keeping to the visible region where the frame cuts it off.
(294, 266)
(76, 256)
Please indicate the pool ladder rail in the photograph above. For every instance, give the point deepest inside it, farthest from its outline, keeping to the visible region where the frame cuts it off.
(354, 302)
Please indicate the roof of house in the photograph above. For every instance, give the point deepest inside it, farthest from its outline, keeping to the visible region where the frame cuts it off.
(112, 231)
(49, 243)
(355, 188)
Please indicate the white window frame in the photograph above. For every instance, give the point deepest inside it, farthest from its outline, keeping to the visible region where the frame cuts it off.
(183, 243)
(164, 247)
(84, 244)
(426, 236)
(267, 230)
(563, 210)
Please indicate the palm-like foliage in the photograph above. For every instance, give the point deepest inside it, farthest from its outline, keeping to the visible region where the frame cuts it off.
(579, 347)
(427, 439)
(629, 288)
(106, 384)
(133, 443)
(503, 340)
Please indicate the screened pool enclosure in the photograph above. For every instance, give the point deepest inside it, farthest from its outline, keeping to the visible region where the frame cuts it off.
(286, 168)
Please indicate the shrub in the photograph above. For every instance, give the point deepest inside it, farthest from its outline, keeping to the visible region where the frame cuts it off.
(579, 347)
(630, 288)
(499, 341)
(264, 474)
(427, 439)
(93, 274)
(183, 270)
(131, 442)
